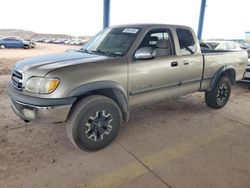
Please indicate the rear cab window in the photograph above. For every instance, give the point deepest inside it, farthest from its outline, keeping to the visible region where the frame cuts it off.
(186, 41)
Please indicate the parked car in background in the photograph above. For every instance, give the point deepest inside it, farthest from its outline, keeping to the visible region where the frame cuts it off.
(48, 40)
(246, 77)
(76, 42)
(67, 41)
(205, 45)
(31, 43)
(15, 43)
(248, 52)
(222, 45)
(246, 47)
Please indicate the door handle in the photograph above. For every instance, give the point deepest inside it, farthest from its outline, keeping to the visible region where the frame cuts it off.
(174, 64)
(186, 62)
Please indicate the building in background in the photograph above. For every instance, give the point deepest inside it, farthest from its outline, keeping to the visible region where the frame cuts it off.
(247, 36)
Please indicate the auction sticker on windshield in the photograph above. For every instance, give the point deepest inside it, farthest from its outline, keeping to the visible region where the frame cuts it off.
(130, 30)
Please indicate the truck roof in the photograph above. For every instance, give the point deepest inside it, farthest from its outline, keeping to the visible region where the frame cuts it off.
(149, 25)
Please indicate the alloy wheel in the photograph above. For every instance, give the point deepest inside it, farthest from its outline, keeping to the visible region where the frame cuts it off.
(98, 125)
(222, 94)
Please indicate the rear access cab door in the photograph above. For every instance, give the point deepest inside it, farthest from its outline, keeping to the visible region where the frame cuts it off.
(190, 59)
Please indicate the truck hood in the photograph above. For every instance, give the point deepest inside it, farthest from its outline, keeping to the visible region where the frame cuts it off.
(53, 61)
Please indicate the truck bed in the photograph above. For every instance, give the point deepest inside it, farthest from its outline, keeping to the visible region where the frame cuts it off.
(215, 59)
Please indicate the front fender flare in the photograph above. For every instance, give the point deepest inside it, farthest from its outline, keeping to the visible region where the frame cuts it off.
(118, 93)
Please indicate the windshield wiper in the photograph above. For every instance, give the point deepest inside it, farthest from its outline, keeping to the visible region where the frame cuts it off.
(85, 51)
(104, 53)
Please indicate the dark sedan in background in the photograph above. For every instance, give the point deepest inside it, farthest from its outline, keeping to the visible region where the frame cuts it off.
(15, 43)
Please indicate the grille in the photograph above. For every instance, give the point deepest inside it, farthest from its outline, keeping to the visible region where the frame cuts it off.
(17, 79)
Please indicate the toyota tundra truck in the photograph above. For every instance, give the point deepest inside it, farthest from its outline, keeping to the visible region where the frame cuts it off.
(93, 89)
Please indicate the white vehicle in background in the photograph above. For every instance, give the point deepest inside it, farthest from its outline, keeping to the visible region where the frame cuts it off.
(67, 42)
(227, 46)
(246, 77)
(223, 45)
(76, 42)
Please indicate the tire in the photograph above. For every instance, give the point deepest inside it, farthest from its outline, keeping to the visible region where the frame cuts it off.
(26, 47)
(2, 46)
(219, 96)
(94, 123)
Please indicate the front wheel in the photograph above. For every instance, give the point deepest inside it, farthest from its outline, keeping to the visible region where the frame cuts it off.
(94, 122)
(2, 46)
(219, 95)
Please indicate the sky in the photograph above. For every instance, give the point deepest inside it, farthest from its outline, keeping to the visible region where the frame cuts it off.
(223, 18)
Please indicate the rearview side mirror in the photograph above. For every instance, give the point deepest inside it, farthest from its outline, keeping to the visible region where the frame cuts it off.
(144, 53)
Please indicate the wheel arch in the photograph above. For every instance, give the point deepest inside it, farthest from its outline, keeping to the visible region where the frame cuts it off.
(26, 46)
(227, 71)
(110, 89)
(3, 45)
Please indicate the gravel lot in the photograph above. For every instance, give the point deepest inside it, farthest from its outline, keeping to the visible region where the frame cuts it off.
(176, 143)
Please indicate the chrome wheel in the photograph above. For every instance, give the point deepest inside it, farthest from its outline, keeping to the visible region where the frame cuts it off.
(222, 94)
(98, 125)
(2, 46)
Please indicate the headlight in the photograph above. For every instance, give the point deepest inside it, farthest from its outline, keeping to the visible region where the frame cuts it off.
(41, 85)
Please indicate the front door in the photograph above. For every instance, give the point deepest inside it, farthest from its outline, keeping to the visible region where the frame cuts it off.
(154, 79)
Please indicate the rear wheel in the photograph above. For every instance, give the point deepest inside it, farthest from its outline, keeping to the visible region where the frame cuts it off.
(219, 95)
(94, 123)
(2, 46)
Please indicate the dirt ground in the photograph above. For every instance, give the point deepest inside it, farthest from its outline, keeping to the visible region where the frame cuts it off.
(177, 143)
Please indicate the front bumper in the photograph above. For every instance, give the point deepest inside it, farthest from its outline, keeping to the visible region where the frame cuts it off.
(39, 109)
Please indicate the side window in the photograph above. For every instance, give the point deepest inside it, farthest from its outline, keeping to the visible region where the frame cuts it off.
(186, 41)
(160, 41)
(160, 35)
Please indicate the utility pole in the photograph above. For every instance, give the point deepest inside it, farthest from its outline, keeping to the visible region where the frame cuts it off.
(106, 13)
(201, 19)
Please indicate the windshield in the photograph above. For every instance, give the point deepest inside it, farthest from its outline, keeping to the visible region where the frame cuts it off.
(112, 41)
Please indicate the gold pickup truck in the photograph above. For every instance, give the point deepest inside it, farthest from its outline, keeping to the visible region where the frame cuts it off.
(93, 88)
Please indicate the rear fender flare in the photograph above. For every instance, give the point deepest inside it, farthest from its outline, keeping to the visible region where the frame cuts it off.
(228, 71)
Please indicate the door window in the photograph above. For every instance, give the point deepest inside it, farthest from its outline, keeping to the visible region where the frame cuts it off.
(160, 41)
(186, 42)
